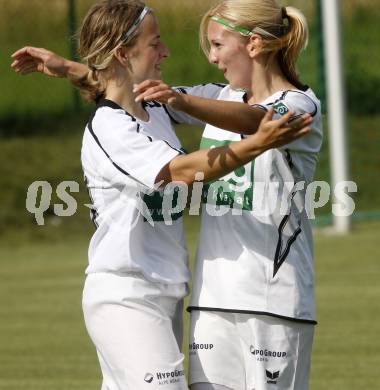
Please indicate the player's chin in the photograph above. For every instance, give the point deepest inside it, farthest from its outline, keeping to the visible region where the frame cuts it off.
(232, 82)
(157, 74)
(237, 84)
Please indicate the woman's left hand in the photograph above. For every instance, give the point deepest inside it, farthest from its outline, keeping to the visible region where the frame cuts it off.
(160, 92)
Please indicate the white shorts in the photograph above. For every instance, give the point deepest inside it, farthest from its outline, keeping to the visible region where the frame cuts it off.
(249, 352)
(137, 329)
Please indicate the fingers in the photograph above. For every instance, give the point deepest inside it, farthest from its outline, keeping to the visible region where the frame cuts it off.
(22, 61)
(300, 123)
(26, 51)
(160, 90)
(144, 93)
(27, 65)
(304, 120)
(28, 60)
(20, 52)
(27, 69)
(293, 122)
(285, 132)
(268, 116)
(162, 97)
(34, 52)
(283, 119)
(139, 88)
(304, 131)
(292, 127)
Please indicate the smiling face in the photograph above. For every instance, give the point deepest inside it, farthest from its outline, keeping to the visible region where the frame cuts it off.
(146, 54)
(228, 51)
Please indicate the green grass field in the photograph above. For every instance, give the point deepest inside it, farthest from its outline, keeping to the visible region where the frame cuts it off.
(44, 345)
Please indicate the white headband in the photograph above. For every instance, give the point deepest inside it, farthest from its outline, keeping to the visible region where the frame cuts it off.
(136, 24)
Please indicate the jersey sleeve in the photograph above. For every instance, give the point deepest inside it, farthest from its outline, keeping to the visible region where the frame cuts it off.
(301, 103)
(132, 153)
(208, 91)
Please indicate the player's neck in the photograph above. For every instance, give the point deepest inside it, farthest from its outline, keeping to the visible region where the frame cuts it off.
(266, 80)
(121, 93)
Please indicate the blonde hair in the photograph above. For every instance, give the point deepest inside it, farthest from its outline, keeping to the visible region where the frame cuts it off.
(284, 30)
(102, 32)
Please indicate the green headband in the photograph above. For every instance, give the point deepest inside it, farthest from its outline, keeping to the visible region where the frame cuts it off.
(240, 30)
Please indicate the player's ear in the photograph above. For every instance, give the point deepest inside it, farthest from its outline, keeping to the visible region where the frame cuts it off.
(255, 45)
(121, 55)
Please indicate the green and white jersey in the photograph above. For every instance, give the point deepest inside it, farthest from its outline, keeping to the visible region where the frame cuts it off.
(255, 252)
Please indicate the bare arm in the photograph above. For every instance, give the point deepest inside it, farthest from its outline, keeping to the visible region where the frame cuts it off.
(218, 162)
(32, 59)
(232, 116)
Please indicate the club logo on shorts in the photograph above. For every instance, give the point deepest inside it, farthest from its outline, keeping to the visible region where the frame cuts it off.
(265, 354)
(165, 378)
(272, 377)
(148, 377)
(195, 347)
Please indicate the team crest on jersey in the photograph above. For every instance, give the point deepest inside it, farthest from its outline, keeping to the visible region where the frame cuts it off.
(234, 190)
(280, 108)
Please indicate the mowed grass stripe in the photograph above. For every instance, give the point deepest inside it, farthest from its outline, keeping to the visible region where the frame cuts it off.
(346, 341)
(44, 344)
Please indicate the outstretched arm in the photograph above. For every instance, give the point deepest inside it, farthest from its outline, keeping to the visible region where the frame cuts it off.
(232, 116)
(32, 59)
(217, 162)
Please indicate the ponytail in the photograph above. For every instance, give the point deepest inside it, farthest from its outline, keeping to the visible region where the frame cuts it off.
(293, 42)
(90, 86)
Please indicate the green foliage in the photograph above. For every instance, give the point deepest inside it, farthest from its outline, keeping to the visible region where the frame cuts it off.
(43, 158)
(44, 26)
(361, 61)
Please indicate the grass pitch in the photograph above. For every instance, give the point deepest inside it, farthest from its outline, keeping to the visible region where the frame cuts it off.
(44, 345)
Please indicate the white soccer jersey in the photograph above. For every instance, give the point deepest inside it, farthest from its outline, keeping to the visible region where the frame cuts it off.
(257, 257)
(121, 157)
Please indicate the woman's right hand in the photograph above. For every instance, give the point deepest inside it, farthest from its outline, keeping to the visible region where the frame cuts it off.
(275, 133)
(161, 92)
(32, 59)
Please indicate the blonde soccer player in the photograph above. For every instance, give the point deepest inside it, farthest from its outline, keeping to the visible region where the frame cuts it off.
(252, 306)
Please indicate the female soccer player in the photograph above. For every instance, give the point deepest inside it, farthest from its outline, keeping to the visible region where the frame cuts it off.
(137, 273)
(252, 307)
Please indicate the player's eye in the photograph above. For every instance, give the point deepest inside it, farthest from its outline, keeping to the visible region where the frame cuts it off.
(216, 44)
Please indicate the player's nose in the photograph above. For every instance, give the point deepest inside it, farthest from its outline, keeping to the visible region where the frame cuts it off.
(212, 58)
